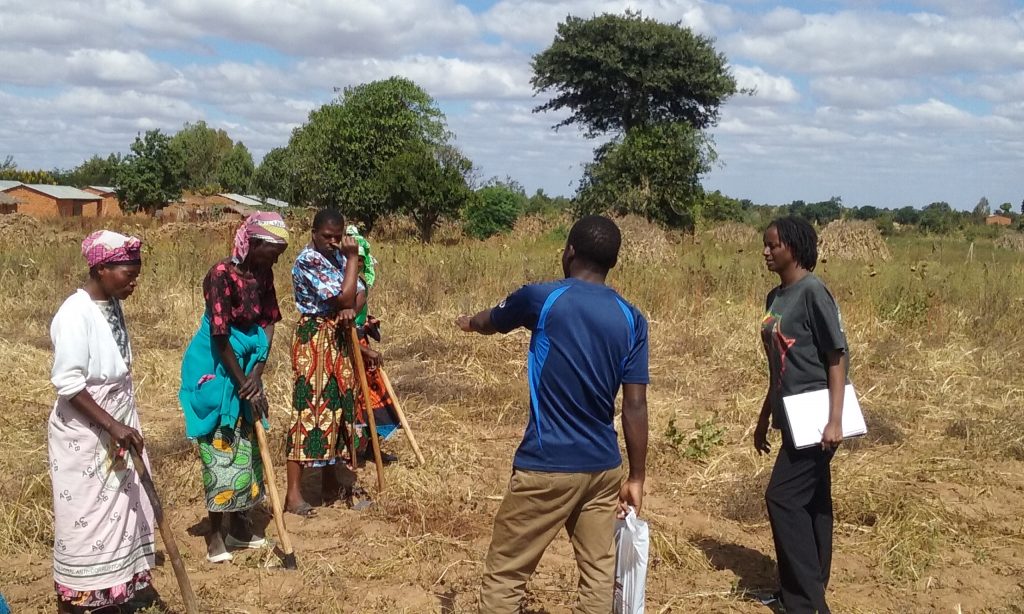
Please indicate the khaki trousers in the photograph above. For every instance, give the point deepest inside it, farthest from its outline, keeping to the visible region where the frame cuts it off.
(535, 508)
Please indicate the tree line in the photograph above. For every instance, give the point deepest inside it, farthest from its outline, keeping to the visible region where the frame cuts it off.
(651, 89)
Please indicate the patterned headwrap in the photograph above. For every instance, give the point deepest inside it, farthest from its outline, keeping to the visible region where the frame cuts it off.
(107, 247)
(369, 274)
(267, 227)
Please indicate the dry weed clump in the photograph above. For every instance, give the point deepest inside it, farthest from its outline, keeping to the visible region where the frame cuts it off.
(16, 228)
(733, 233)
(643, 242)
(1013, 241)
(395, 229)
(852, 240)
(175, 231)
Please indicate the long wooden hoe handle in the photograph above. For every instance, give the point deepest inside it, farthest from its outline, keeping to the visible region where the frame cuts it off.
(401, 416)
(187, 595)
(275, 499)
(357, 365)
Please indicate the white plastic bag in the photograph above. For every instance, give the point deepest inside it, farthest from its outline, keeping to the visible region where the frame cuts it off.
(632, 538)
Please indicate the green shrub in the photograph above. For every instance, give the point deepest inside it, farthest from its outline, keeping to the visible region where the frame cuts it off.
(494, 210)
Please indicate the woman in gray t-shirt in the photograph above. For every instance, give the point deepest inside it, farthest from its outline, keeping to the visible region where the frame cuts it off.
(806, 347)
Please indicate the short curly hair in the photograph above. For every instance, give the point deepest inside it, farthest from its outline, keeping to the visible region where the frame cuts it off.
(596, 239)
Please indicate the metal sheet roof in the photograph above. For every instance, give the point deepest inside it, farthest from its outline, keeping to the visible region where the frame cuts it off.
(62, 192)
(273, 202)
(103, 188)
(7, 185)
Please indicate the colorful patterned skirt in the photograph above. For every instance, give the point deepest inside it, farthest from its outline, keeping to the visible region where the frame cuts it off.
(115, 595)
(324, 406)
(326, 400)
(232, 468)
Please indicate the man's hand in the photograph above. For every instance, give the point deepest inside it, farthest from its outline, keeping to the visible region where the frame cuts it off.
(631, 494)
(464, 322)
(832, 436)
(761, 443)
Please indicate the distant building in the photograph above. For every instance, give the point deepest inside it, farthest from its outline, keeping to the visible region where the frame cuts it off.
(253, 202)
(41, 200)
(997, 219)
(110, 206)
(8, 203)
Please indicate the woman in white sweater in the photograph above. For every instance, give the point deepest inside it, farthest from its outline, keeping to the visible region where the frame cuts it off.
(103, 522)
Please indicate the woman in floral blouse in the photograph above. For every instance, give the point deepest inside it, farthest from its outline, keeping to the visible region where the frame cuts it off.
(221, 378)
(325, 410)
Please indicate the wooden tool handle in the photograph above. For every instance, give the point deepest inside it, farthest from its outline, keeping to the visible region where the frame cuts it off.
(401, 417)
(275, 499)
(187, 595)
(357, 360)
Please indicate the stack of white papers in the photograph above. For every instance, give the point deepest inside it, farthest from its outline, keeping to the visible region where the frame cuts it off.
(807, 414)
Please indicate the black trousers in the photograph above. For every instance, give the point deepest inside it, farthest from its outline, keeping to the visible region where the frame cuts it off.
(799, 498)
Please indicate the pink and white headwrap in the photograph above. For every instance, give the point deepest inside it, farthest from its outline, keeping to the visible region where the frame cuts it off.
(267, 227)
(108, 247)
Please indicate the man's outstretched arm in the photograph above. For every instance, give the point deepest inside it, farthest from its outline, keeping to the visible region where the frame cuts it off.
(480, 323)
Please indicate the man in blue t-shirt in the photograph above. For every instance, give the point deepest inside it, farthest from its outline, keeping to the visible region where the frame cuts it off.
(586, 342)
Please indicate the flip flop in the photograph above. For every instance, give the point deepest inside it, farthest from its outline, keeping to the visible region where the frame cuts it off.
(220, 558)
(305, 510)
(237, 544)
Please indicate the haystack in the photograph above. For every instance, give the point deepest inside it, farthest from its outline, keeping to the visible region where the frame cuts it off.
(1013, 241)
(733, 233)
(175, 231)
(17, 228)
(852, 240)
(644, 242)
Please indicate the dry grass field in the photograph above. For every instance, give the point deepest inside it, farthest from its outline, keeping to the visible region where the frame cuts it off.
(928, 505)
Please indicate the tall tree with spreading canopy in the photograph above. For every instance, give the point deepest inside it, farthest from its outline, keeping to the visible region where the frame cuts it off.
(152, 175)
(275, 176)
(236, 170)
(654, 88)
(94, 171)
(428, 183)
(204, 150)
(342, 152)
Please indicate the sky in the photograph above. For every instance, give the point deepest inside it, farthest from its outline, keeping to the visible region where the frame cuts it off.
(880, 103)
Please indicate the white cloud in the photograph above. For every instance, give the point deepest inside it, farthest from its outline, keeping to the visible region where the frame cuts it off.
(444, 78)
(535, 21)
(863, 92)
(768, 89)
(887, 45)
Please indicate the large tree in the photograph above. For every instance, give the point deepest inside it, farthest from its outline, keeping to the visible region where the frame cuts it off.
(428, 183)
(618, 72)
(654, 87)
(236, 170)
(340, 155)
(275, 176)
(152, 175)
(652, 171)
(94, 171)
(204, 150)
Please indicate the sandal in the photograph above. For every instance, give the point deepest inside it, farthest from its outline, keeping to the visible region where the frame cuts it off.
(304, 509)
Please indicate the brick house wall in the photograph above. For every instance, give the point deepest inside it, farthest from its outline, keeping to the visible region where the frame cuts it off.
(37, 204)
